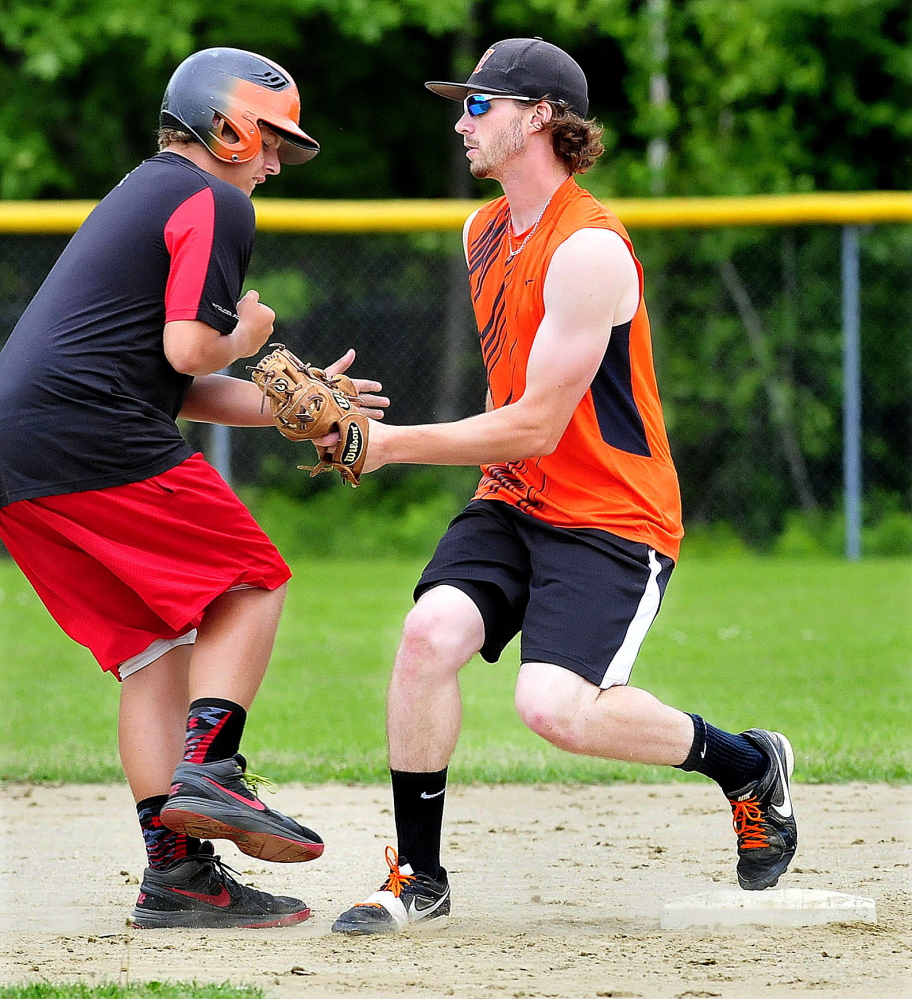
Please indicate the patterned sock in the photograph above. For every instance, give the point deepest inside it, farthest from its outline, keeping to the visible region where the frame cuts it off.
(732, 761)
(163, 847)
(418, 806)
(214, 730)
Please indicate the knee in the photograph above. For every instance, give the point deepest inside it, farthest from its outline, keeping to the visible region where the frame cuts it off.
(432, 641)
(556, 721)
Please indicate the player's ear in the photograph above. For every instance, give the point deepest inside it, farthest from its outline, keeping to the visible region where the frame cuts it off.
(541, 115)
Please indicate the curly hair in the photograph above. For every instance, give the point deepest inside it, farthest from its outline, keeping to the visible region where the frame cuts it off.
(173, 136)
(168, 136)
(577, 142)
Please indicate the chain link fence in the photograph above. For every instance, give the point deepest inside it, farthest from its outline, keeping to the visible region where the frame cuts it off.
(749, 342)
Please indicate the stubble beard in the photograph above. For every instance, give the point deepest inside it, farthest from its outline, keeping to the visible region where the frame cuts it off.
(509, 143)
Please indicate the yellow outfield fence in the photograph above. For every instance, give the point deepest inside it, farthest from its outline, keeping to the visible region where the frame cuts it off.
(760, 337)
(302, 216)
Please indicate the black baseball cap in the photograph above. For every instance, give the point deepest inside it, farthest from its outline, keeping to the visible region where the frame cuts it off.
(523, 67)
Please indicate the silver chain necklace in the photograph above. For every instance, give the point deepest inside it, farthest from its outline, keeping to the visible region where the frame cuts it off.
(529, 234)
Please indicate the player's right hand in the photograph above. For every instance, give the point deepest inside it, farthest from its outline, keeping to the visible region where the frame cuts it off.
(255, 322)
(371, 405)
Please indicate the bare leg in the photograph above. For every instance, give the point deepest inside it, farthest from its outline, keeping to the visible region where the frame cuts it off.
(153, 722)
(424, 709)
(229, 660)
(620, 723)
(233, 645)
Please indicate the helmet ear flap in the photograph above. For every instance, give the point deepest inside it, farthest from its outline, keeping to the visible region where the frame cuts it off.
(237, 141)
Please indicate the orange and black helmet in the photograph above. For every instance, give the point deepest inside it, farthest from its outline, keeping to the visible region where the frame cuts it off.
(222, 86)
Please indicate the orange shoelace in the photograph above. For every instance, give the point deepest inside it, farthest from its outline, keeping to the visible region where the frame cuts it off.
(747, 820)
(396, 880)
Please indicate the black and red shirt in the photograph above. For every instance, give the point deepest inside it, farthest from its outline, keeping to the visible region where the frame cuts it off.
(87, 397)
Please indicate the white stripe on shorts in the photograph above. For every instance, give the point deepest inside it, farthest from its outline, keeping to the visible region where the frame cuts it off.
(621, 665)
(155, 651)
(162, 645)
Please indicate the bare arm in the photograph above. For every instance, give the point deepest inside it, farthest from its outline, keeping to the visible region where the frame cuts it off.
(591, 286)
(235, 402)
(232, 402)
(195, 348)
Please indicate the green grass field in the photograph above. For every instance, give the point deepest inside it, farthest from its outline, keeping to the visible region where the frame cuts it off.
(820, 650)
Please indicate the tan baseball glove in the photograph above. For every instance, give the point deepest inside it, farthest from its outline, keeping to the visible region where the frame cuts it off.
(307, 404)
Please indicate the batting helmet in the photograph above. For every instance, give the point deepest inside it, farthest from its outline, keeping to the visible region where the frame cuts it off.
(242, 89)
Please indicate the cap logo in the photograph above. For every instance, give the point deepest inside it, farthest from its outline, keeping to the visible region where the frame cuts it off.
(483, 60)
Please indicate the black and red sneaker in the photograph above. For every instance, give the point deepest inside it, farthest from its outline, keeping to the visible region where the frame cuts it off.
(218, 801)
(198, 892)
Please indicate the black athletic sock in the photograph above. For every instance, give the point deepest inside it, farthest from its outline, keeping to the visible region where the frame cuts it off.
(732, 761)
(163, 847)
(418, 807)
(214, 730)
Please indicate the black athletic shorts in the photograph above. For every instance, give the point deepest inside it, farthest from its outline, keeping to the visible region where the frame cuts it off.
(582, 599)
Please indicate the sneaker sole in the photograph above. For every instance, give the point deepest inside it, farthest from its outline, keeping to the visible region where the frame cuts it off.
(772, 877)
(422, 925)
(262, 845)
(205, 921)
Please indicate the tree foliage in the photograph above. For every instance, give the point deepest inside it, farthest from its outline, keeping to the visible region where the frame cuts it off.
(767, 96)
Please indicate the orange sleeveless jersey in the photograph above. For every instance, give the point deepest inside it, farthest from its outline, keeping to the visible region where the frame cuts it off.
(612, 469)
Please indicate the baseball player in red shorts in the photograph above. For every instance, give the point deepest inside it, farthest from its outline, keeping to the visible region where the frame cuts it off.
(135, 544)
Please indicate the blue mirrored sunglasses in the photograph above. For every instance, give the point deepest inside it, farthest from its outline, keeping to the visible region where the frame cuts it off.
(476, 104)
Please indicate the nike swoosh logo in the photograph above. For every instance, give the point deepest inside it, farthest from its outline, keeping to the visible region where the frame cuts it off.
(222, 900)
(250, 802)
(785, 809)
(423, 909)
(436, 794)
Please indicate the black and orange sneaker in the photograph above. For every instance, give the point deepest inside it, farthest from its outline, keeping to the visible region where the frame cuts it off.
(198, 892)
(407, 898)
(763, 816)
(218, 801)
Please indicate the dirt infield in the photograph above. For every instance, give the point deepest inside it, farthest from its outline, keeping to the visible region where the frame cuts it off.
(557, 892)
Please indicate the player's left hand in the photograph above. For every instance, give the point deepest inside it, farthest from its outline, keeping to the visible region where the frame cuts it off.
(371, 405)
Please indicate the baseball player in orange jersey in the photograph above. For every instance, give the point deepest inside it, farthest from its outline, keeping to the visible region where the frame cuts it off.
(572, 534)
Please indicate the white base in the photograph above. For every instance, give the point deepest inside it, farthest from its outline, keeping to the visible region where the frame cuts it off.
(773, 907)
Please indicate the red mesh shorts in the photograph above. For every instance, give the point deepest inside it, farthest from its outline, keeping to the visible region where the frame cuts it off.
(118, 568)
